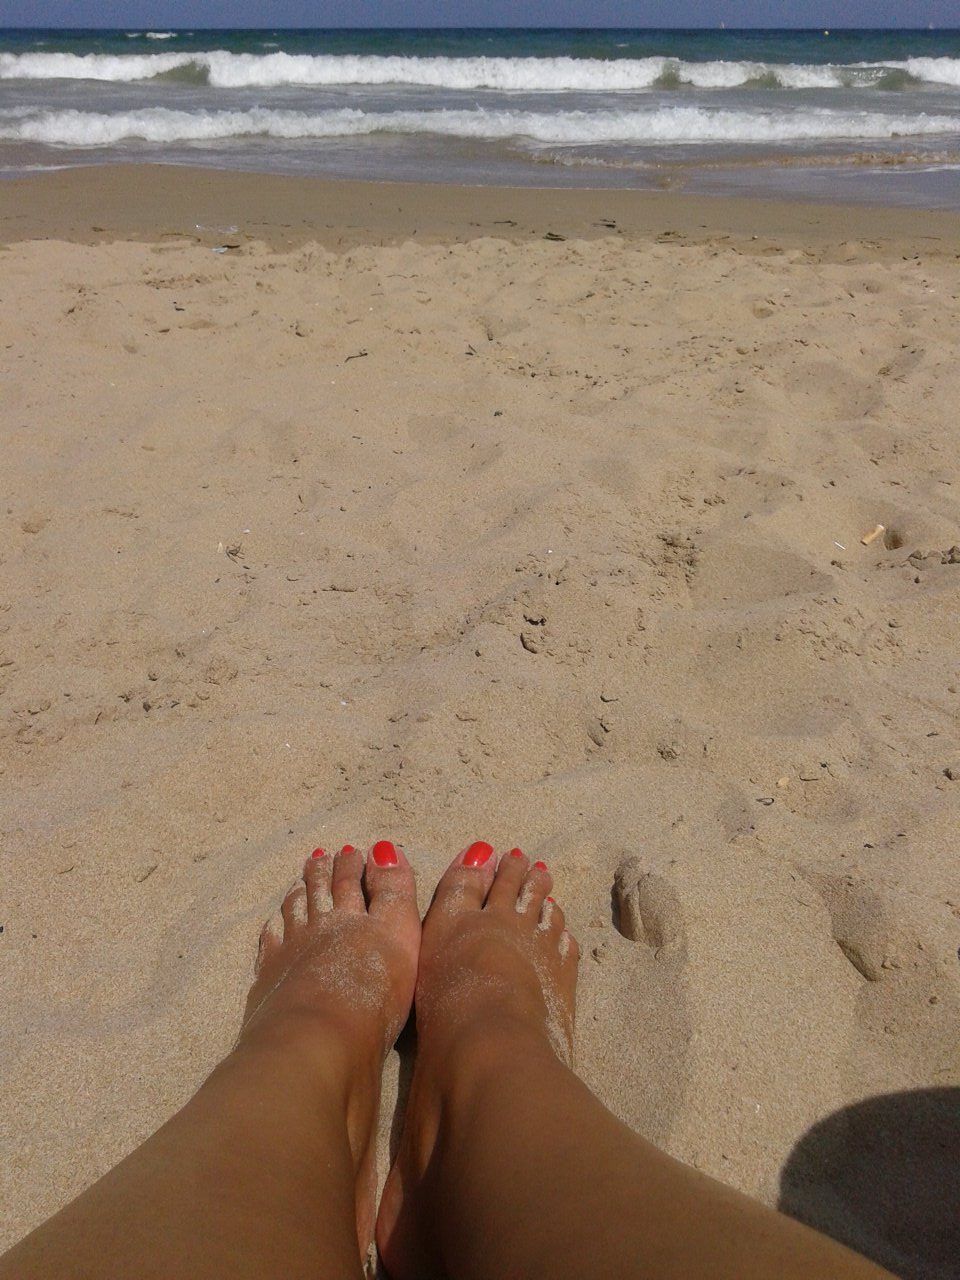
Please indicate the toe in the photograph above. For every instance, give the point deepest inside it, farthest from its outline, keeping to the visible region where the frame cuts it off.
(346, 887)
(536, 885)
(569, 948)
(316, 876)
(391, 887)
(465, 883)
(294, 909)
(552, 922)
(508, 881)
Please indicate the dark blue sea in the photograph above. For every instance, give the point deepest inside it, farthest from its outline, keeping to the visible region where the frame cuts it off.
(871, 115)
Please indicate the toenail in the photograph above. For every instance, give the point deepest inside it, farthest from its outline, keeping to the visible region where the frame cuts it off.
(319, 853)
(516, 853)
(552, 900)
(540, 866)
(477, 854)
(348, 848)
(385, 854)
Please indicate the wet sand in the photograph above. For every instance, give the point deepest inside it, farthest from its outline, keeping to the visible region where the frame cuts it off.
(150, 202)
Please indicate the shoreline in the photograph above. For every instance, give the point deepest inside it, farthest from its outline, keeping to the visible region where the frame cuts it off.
(103, 203)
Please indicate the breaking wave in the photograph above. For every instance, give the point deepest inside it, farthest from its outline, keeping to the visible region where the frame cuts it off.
(682, 124)
(222, 69)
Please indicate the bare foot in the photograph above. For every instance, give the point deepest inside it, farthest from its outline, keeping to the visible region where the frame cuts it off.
(497, 982)
(335, 973)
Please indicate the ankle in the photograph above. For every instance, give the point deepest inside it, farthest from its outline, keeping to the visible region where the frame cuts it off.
(482, 1053)
(312, 1073)
(461, 1081)
(308, 1048)
(315, 1034)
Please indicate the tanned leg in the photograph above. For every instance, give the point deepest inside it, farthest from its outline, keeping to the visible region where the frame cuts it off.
(269, 1170)
(508, 1165)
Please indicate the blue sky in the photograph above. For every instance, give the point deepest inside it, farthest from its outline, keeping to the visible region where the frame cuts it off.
(413, 13)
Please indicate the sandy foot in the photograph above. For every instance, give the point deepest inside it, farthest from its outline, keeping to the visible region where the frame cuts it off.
(339, 960)
(496, 960)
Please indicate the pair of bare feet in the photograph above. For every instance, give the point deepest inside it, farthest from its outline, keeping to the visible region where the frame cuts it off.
(346, 959)
(508, 1164)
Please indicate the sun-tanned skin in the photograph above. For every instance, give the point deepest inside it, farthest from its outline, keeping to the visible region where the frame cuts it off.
(508, 1165)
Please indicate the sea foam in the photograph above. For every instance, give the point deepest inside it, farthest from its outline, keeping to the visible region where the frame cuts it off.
(222, 69)
(682, 124)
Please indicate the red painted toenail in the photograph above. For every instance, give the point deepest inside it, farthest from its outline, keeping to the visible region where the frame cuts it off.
(540, 866)
(348, 848)
(319, 853)
(552, 900)
(516, 853)
(477, 854)
(385, 854)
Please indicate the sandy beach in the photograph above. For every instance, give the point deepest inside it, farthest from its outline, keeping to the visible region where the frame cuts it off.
(336, 511)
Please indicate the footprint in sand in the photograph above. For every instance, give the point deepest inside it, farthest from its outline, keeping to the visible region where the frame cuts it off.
(908, 1005)
(862, 926)
(638, 1003)
(646, 908)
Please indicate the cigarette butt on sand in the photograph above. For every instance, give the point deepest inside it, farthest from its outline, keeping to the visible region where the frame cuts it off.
(873, 535)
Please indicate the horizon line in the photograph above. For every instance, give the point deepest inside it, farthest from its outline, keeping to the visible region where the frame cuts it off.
(818, 29)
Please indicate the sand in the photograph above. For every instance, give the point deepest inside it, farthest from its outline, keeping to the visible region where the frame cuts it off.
(396, 520)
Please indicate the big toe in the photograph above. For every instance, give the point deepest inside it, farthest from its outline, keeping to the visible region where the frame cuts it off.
(391, 891)
(466, 882)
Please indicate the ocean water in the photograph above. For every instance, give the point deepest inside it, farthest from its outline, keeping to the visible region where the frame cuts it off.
(867, 115)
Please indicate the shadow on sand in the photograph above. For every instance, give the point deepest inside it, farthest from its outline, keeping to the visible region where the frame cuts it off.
(884, 1178)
